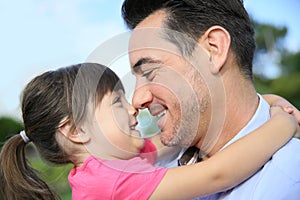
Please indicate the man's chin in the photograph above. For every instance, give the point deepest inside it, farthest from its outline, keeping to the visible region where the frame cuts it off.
(169, 139)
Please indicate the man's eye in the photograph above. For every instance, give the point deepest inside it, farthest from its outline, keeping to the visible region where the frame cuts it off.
(147, 74)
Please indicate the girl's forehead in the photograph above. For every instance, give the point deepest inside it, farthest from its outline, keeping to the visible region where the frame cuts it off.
(118, 92)
(112, 94)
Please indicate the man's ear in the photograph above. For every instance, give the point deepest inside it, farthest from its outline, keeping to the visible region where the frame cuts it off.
(75, 134)
(216, 40)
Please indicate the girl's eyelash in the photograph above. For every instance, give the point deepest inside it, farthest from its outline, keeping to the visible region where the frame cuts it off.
(117, 100)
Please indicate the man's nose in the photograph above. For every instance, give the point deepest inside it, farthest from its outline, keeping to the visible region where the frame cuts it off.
(142, 97)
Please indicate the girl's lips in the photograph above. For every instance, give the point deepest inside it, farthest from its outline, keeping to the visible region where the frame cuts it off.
(135, 133)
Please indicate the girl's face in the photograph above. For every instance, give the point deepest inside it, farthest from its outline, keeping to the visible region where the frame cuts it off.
(113, 133)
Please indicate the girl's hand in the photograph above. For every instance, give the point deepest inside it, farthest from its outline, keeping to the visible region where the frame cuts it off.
(286, 114)
(275, 100)
(289, 108)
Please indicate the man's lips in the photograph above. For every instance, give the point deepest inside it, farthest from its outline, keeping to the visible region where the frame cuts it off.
(161, 119)
(157, 110)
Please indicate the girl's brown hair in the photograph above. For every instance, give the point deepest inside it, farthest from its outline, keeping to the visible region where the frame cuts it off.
(46, 101)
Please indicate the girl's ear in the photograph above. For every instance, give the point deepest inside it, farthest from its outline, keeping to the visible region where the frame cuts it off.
(74, 134)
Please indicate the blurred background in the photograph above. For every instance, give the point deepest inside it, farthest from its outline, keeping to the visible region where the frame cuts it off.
(39, 35)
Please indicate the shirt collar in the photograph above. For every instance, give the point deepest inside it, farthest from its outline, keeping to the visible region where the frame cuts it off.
(261, 115)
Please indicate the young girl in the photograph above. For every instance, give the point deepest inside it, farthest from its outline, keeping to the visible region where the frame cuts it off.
(79, 115)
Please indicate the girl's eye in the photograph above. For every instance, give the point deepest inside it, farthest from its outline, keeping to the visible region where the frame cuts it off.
(117, 100)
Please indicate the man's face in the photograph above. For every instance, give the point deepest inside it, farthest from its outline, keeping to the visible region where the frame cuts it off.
(168, 84)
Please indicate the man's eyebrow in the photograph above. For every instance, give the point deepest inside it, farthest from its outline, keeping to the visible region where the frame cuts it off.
(147, 60)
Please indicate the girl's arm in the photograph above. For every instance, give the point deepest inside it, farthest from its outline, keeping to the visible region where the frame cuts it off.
(231, 166)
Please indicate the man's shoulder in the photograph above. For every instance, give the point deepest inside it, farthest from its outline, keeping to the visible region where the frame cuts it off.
(291, 148)
(289, 151)
(280, 177)
(287, 159)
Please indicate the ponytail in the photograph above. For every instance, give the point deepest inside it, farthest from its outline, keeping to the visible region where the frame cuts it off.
(17, 179)
(46, 101)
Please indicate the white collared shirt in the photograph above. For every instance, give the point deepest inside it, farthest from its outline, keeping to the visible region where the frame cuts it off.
(279, 178)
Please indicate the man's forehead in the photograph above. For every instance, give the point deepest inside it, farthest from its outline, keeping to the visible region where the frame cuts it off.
(149, 33)
(148, 43)
(144, 38)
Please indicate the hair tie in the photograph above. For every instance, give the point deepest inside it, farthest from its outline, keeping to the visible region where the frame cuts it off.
(24, 137)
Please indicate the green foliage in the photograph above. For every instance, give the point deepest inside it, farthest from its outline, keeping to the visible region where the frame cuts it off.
(287, 86)
(8, 127)
(291, 63)
(268, 36)
(262, 84)
(268, 39)
(55, 176)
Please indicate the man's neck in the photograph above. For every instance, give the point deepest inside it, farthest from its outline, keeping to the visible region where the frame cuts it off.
(241, 104)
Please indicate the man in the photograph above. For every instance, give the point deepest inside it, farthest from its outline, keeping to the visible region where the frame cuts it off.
(192, 60)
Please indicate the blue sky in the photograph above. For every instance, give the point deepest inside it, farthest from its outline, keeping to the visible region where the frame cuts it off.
(38, 35)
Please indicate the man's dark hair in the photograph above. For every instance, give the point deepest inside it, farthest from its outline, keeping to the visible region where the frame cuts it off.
(194, 17)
